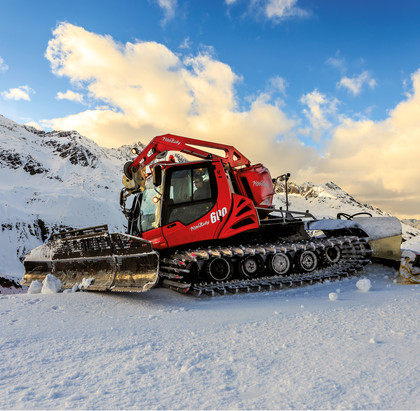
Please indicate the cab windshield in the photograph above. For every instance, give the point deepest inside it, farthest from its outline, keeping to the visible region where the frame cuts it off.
(149, 209)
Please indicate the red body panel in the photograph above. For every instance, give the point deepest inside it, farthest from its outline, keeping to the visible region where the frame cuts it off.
(256, 184)
(237, 186)
(178, 234)
(242, 217)
(156, 237)
(232, 214)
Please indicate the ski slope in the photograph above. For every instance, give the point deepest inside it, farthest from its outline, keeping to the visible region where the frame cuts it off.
(289, 349)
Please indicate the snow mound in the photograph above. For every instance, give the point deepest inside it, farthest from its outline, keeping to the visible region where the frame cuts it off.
(86, 282)
(364, 285)
(333, 296)
(35, 287)
(40, 253)
(51, 285)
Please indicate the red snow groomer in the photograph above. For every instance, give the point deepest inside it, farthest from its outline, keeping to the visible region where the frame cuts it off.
(209, 226)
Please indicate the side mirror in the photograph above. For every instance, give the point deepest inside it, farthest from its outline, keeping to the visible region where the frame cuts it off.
(157, 176)
(126, 172)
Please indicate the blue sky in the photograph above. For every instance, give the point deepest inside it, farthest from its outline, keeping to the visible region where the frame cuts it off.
(334, 39)
(327, 89)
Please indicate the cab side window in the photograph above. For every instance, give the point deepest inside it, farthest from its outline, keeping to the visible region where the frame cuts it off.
(181, 187)
(190, 195)
(201, 184)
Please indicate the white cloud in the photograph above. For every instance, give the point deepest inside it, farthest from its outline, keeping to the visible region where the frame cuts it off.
(320, 107)
(70, 95)
(34, 124)
(279, 84)
(355, 84)
(378, 161)
(3, 66)
(338, 62)
(145, 90)
(280, 9)
(274, 10)
(168, 7)
(152, 91)
(18, 93)
(186, 43)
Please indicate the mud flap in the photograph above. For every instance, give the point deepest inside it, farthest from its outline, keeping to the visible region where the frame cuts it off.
(96, 260)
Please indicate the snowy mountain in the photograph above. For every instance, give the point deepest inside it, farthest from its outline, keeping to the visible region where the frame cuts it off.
(50, 181)
(412, 222)
(327, 200)
(322, 200)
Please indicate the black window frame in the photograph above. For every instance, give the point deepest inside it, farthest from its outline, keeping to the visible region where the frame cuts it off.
(167, 207)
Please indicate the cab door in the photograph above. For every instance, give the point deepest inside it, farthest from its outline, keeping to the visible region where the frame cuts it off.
(190, 199)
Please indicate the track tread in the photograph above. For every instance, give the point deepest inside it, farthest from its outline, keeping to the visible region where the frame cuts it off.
(354, 257)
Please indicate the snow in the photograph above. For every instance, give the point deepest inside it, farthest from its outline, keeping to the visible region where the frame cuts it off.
(332, 224)
(333, 296)
(51, 285)
(380, 227)
(86, 282)
(287, 349)
(50, 181)
(35, 287)
(41, 253)
(413, 244)
(364, 285)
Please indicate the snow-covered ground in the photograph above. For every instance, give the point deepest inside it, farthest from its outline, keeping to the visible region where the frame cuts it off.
(289, 349)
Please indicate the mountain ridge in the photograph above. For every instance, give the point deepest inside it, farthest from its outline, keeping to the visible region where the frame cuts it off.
(53, 181)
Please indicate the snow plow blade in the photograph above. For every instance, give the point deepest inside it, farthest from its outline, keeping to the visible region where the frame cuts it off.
(385, 237)
(96, 260)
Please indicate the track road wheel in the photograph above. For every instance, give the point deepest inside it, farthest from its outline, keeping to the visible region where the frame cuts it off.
(307, 261)
(333, 254)
(218, 269)
(250, 267)
(279, 264)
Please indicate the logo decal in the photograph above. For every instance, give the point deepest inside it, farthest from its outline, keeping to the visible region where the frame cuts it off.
(260, 183)
(202, 224)
(214, 217)
(171, 140)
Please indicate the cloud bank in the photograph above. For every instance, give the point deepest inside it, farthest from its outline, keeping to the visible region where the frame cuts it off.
(144, 89)
(379, 160)
(149, 90)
